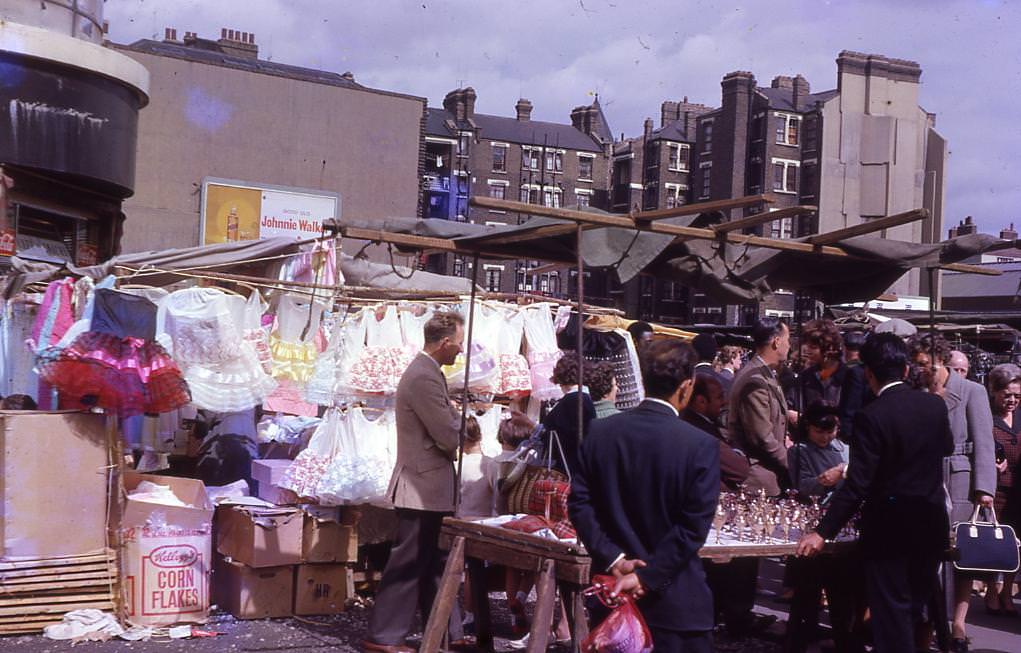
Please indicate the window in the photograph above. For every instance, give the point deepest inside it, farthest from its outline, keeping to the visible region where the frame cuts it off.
(530, 194)
(783, 228)
(707, 136)
(497, 191)
(788, 128)
(554, 161)
(499, 158)
(585, 167)
(675, 195)
(680, 154)
(463, 143)
(493, 274)
(583, 199)
(552, 197)
(459, 266)
(706, 181)
(529, 158)
(785, 176)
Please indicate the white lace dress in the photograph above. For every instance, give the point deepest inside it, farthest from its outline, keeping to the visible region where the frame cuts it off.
(221, 368)
(364, 461)
(379, 366)
(329, 381)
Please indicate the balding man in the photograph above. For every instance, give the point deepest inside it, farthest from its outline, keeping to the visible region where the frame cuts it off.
(959, 363)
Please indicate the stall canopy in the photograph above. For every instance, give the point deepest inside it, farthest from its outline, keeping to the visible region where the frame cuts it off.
(256, 258)
(699, 250)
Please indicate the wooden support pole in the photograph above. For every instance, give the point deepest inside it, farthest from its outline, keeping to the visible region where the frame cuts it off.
(869, 227)
(762, 218)
(446, 594)
(545, 598)
(480, 597)
(701, 207)
(484, 244)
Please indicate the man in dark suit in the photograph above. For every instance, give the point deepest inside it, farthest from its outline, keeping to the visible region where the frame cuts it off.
(895, 475)
(703, 412)
(422, 489)
(643, 498)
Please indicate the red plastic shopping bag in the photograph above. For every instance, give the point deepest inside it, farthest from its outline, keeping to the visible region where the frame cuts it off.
(624, 631)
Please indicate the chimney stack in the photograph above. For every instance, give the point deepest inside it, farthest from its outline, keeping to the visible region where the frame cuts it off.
(461, 103)
(800, 92)
(669, 112)
(524, 110)
(647, 128)
(1009, 233)
(967, 227)
(236, 43)
(782, 81)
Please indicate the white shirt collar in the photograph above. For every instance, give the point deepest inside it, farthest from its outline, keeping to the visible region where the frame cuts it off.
(887, 387)
(573, 388)
(665, 403)
(434, 361)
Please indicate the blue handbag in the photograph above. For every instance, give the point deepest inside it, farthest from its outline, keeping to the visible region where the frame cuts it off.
(985, 546)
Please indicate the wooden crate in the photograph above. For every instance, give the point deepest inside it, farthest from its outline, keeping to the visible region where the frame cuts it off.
(36, 593)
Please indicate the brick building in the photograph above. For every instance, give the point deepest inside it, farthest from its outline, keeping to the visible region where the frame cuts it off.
(514, 158)
(862, 150)
(218, 110)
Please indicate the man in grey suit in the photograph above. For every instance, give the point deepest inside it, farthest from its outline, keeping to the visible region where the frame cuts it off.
(757, 424)
(422, 487)
(757, 421)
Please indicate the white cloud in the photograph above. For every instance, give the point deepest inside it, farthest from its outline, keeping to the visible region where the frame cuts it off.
(636, 54)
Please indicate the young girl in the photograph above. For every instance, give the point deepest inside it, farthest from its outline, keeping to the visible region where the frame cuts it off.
(476, 490)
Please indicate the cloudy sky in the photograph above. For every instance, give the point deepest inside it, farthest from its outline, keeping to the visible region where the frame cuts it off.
(637, 53)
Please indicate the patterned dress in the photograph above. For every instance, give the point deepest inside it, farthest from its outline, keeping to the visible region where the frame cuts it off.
(1008, 483)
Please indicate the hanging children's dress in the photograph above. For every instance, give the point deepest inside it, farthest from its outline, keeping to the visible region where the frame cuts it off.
(302, 476)
(222, 369)
(294, 352)
(329, 381)
(292, 345)
(541, 352)
(360, 470)
(118, 365)
(515, 379)
(379, 367)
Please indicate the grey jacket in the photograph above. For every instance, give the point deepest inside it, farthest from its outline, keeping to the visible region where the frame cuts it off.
(757, 425)
(428, 428)
(972, 467)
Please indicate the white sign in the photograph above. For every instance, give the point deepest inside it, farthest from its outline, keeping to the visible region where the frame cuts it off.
(296, 215)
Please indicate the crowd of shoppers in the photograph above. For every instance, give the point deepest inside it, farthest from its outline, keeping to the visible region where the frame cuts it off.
(875, 425)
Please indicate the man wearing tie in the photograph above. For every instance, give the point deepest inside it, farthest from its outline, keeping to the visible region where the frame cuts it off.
(422, 489)
(895, 475)
(643, 497)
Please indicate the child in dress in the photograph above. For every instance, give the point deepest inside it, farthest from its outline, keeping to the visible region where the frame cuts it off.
(514, 430)
(476, 491)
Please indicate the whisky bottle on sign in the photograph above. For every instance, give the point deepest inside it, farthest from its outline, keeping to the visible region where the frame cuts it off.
(233, 225)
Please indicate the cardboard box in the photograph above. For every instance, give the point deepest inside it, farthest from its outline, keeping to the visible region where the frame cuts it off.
(55, 482)
(167, 553)
(325, 538)
(322, 589)
(266, 474)
(259, 537)
(249, 593)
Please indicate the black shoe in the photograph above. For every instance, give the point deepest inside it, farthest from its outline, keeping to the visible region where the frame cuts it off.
(958, 645)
